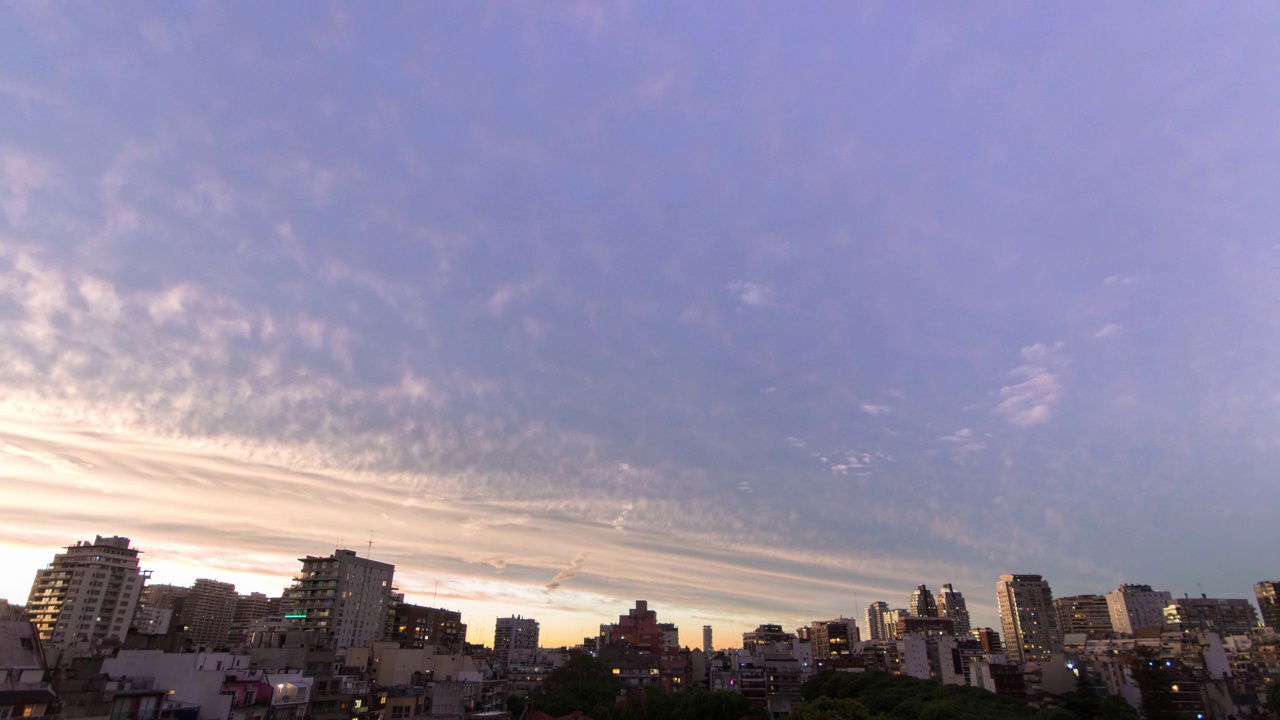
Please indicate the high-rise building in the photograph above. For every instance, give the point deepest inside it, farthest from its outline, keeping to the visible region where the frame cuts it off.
(1135, 607)
(1225, 617)
(417, 626)
(922, 603)
(1268, 594)
(877, 615)
(989, 639)
(1083, 614)
(951, 605)
(706, 640)
(639, 629)
(87, 594)
(1027, 621)
(207, 613)
(514, 635)
(343, 597)
(832, 638)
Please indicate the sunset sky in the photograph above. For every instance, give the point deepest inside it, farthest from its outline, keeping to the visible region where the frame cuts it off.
(758, 311)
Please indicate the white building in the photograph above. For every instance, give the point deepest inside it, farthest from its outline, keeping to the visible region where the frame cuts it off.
(87, 595)
(512, 634)
(1134, 607)
(343, 597)
(1029, 625)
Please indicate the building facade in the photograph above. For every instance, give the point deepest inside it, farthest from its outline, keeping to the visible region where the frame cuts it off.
(1136, 607)
(1083, 614)
(208, 611)
(1268, 594)
(514, 635)
(1225, 617)
(87, 595)
(922, 603)
(951, 605)
(343, 598)
(1028, 623)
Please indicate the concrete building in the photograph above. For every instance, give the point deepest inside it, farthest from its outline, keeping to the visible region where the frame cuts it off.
(514, 635)
(208, 612)
(831, 639)
(1136, 607)
(706, 640)
(343, 597)
(1027, 620)
(638, 629)
(86, 597)
(10, 612)
(418, 626)
(951, 605)
(23, 690)
(990, 640)
(922, 603)
(875, 616)
(1224, 617)
(1268, 594)
(1083, 614)
(194, 680)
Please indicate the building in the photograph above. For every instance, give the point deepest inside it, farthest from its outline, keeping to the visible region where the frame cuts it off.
(951, 605)
(1136, 607)
(1268, 594)
(86, 597)
(418, 626)
(638, 629)
(831, 639)
(516, 635)
(922, 603)
(876, 613)
(1028, 623)
(765, 637)
(1083, 614)
(989, 639)
(207, 613)
(706, 640)
(344, 598)
(1225, 617)
(23, 690)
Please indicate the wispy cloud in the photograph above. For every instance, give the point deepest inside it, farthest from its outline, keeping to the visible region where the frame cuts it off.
(569, 572)
(753, 294)
(1032, 399)
(1109, 330)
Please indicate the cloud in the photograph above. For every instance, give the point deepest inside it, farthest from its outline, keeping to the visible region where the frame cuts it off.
(1109, 330)
(965, 442)
(1122, 280)
(20, 174)
(753, 294)
(1031, 401)
(570, 572)
(875, 410)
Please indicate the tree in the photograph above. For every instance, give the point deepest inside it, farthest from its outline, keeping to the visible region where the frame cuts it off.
(1273, 698)
(583, 683)
(827, 708)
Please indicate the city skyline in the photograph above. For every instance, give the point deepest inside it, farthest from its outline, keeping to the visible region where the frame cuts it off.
(761, 313)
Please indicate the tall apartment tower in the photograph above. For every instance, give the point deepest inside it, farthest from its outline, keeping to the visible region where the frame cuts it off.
(514, 635)
(951, 605)
(706, 640)
(922, 603)
(1083, 614)
(87, 594)
(1028, 624)
(1134, 607)
(1268, 594)
(877, 613)
(343, 597)
(208, 611)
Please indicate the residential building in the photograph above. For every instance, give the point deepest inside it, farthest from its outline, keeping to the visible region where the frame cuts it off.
(343, 597)
(764, 637)
(10, 612)
(706, 640)
(922, 603)
(830, 639)
(1028, 623)
(989, 638)
(208, 612)
(638, 629)
(951, 605)
(1136, 607)
(1083, 614)
(23, 690)
(514, 635)
(1268, 594)
(1225, 617)
(86, 597)
(418, 626)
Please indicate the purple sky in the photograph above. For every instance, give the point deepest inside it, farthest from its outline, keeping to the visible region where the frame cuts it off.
(758, 311)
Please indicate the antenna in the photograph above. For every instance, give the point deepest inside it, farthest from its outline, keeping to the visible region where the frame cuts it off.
(435, 594)
(368, 555)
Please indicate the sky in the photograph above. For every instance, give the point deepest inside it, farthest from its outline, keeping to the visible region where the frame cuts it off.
(760, 312)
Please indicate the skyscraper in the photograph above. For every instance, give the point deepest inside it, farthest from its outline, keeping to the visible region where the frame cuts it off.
(706, 640)
(207, 613)
(951, 605)
(1268, 594)
(344, 597)
(1083, 614)
(87, 594)
(922, 603)
(1027, 621)
(876, 614)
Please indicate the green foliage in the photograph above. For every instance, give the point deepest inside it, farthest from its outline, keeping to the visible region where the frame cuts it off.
(696, 704)
(586, 684)
(1055, 713)
(1154, 681)
(1273, 698)
(899, 697)
(827, 708)
(583, 683)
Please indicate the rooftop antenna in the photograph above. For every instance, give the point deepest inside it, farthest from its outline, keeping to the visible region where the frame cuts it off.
(435, 594)
(368, 555)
